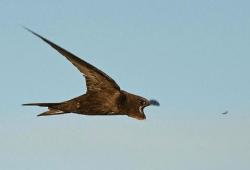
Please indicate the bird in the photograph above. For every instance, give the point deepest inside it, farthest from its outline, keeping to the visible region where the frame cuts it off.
(224, 113)
(103, 96)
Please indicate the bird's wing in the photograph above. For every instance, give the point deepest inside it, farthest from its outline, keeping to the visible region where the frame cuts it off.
(96, 80)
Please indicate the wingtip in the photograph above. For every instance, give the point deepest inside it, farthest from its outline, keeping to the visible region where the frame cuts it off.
(26, 28)
(32, 32)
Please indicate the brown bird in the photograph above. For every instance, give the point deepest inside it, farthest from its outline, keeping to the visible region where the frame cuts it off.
(103, 96)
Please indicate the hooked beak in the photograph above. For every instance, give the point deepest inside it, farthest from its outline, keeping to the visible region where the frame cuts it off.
(154, 102)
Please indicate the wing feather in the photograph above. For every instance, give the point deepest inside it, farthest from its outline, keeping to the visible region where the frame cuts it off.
(96, 80)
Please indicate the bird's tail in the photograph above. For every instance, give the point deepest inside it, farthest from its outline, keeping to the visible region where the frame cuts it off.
(51, 106)
(41, 104)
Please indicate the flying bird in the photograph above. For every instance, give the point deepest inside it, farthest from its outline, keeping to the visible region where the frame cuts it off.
(103, 95)
(224, 113)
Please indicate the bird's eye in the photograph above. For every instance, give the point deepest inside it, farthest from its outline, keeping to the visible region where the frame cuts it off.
(143, 102)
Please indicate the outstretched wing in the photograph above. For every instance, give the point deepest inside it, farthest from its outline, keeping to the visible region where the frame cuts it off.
(96, 80)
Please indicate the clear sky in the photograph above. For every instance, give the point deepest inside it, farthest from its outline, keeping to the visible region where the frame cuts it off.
(193, 56)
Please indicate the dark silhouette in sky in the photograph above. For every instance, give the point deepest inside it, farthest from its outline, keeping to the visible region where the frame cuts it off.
(224, 113)
(103, 96)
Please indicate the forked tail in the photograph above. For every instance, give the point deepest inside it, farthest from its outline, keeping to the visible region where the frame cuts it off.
(51, 106)
(41, 104)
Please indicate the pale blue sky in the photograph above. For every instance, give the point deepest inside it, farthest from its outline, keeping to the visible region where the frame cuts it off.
(193, 56)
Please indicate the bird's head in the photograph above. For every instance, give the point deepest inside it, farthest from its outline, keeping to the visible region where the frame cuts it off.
(140, 104)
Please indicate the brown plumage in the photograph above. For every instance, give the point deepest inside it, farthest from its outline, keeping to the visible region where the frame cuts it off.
(103, 96)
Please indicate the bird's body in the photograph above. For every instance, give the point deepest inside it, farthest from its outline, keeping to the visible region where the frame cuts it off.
(103, 97)
(224, 113)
